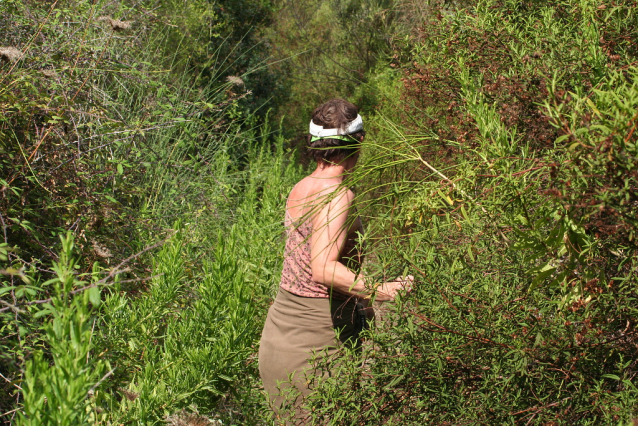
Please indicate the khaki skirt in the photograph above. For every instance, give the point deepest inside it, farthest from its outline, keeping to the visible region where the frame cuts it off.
(298, 330)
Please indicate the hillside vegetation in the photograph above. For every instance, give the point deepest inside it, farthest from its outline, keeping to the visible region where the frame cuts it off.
(146, 151)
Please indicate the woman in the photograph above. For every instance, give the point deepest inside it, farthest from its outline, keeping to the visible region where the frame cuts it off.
(316, 307)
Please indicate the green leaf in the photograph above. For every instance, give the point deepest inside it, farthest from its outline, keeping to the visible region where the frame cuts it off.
(469, 252)
(546, 271)
(94, 296)
(445, 197)
(561, 139)
(610, 376)
(593, 107)
(41, 313)
(467, 218)
(4, 290)
(395, 381)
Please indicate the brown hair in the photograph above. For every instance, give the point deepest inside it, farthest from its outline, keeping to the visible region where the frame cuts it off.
(334, 114)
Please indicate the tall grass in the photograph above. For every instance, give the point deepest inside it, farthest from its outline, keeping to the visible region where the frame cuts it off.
(172, 195)
(189, 339)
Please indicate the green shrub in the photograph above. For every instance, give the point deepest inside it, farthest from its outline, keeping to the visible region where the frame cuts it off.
(505, 183)
(499, 169)
(59, 382)
(116, 122)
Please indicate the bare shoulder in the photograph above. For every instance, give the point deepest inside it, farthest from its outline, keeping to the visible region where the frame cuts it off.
(311, 188)
(334, 193)
(319, 197)
(336, 200)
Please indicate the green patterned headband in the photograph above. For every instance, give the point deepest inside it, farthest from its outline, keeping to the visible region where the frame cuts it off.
(346, 138)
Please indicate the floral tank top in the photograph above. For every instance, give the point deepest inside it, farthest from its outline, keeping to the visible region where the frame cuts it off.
(296, 276)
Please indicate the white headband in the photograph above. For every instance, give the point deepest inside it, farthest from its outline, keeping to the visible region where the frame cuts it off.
(353, 127)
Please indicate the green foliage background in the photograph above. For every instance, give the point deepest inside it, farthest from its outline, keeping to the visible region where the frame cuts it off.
(146, 152)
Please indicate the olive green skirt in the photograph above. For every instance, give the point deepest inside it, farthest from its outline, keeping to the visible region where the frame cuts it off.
(300, 333)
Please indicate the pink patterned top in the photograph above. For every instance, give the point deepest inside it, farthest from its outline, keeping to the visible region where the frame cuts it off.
(296, 277)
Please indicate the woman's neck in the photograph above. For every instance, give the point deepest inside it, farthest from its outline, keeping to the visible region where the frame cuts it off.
(329, 171)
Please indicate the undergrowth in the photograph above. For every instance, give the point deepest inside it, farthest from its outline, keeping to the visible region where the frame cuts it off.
(138, 158)
(505, 182)
(143, 186)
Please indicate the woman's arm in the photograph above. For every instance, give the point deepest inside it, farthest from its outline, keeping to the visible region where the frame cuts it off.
(329, 235)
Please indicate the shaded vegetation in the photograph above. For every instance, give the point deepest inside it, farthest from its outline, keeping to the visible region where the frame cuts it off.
(144, 174)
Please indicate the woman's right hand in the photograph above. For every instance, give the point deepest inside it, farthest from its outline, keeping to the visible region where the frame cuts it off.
(388, 291)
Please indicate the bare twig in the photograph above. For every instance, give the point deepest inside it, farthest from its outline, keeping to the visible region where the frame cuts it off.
(11, 307)
(106, 376)
(135, 256)
(537, 409)
(9, 412)
(4, 228)
(10, 381)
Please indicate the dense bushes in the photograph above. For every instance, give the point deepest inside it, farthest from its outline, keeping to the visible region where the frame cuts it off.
(118, 124)
(142, 195)
(514, 204)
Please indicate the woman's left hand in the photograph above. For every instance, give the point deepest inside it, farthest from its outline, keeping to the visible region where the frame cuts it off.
(407, 281)
(389, 290)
